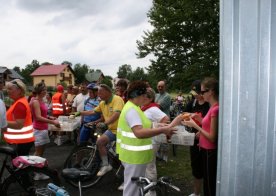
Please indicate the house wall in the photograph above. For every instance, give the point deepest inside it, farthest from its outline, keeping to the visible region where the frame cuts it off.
(54, 80)
(49, 80)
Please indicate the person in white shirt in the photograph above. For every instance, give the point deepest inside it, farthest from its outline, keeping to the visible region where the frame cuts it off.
(3, 119)
(154, 114)
(78, 104)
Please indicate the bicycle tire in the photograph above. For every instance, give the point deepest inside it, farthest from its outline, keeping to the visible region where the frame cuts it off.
(21, 182)
(90, 161)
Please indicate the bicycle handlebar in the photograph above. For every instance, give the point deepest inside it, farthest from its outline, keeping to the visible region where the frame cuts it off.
(148, 185)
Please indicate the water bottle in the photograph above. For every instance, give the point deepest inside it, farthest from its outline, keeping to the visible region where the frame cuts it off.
(59, 191)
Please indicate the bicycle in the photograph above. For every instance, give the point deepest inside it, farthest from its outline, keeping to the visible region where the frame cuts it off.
(161, 186)
(86, 158)
(20, 181)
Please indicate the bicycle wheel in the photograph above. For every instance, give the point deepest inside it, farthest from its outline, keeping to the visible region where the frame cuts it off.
(22, 182)
(84, 158)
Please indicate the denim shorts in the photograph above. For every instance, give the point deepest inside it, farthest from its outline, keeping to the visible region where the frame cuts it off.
(111, 136)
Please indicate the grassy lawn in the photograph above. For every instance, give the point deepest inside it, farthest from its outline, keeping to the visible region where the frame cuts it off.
(178, 167)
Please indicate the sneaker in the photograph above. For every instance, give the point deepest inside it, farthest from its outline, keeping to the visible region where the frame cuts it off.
(150, 193)
(39, 176)
(104, 170)
(193, 194)
(121, 187)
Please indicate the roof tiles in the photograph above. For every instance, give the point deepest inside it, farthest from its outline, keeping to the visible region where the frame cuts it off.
(49, 70)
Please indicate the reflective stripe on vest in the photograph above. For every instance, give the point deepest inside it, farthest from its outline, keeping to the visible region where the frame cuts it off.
(128, 134)
(57, 104)
(24, 129)
(131, 147)
(21, 136)
(136, 148)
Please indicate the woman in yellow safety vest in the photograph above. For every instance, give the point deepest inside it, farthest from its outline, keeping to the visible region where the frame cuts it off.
(20, 127)
(134, 144)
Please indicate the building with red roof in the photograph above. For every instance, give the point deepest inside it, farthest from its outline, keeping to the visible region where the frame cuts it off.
(54, 74)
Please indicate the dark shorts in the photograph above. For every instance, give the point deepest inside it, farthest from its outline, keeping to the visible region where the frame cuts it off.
(111, 136)
(196, 161)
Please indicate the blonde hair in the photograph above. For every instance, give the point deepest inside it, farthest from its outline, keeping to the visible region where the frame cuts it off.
(19, 84)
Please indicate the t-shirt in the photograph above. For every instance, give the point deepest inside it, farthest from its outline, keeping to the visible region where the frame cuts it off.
(3, 118)
(133, 118)
(206, 125)
(2, 95)
(79, 102)
(115, 104)
(19, 111)
(154, 114)
(89, 105)
(164, 100)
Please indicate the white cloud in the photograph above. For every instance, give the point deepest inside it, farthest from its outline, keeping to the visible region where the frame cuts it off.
(101, 34)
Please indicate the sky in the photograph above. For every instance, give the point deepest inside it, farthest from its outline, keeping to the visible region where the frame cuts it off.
(99, 33)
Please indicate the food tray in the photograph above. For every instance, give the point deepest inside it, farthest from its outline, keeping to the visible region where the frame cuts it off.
(182, 137)
(66, 124)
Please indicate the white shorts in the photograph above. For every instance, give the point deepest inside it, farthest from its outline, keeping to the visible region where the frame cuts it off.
(41, 137)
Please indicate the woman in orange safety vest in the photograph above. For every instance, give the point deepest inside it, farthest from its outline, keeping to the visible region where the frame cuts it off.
(20, 129)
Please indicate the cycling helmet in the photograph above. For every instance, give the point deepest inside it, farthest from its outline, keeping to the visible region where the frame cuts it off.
(92, 86)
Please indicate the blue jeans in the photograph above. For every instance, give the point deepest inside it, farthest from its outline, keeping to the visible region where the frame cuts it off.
(85, 134)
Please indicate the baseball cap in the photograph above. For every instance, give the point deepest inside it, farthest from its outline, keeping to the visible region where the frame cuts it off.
(196, 87)
(60, 88)
(92, 86)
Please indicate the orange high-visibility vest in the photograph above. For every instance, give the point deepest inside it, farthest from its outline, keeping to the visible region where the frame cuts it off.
(26, 133)
(57, 104)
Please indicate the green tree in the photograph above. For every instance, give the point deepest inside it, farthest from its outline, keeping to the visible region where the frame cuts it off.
(17, 69)
(124, 71)
(46, 63)
(26, 72)
(138, 74)
(184, 40)
(67, 63)
(108, 81)
(80, 71)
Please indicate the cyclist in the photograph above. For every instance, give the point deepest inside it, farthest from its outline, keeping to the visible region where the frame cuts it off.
(110, 107)
(89, 105)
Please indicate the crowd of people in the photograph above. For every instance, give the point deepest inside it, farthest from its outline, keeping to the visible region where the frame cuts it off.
(128, 114)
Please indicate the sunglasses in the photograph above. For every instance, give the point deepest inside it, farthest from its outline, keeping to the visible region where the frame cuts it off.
(203, 92)
(16, 84)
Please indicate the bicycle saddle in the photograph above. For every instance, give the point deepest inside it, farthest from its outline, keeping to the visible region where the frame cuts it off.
(75, 174)
(7, 150)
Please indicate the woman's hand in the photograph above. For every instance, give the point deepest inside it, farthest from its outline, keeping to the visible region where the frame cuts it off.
(52, 118)
(189, 123)
(197, 116)
(176, 121)
(197, 135)
(169, 131)
(56, 123)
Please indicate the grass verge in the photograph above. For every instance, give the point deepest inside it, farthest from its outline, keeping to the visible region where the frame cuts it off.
(178, 167)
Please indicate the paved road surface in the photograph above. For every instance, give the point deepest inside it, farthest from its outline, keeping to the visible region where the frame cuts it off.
(56, 156)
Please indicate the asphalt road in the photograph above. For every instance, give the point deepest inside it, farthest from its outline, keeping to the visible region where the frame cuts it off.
(56, 156)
